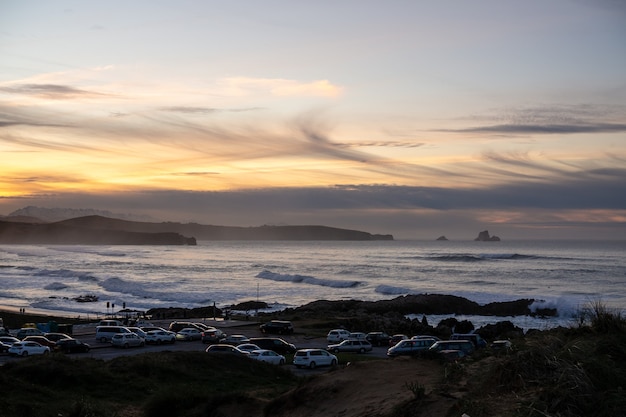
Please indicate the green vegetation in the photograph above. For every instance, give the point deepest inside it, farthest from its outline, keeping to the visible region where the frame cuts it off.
(561, 372)
(166, 383)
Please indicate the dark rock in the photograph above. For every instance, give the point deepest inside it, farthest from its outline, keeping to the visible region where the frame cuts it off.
(442, 238)
(501, 330)
(484, 237)
(250, 305)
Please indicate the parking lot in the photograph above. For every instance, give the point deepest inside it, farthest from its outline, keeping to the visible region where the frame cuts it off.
(250, 329)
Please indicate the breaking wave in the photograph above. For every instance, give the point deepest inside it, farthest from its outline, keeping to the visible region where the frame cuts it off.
(305, 279)
(480, 257)
(391, 290)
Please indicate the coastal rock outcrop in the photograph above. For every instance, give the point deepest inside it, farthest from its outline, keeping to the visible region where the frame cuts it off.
(442, 238)
(484, 237)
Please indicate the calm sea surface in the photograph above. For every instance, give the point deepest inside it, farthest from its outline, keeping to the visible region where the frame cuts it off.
(567, 275)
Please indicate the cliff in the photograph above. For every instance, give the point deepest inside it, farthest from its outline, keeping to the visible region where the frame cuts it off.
(100, 230)
(59, 234)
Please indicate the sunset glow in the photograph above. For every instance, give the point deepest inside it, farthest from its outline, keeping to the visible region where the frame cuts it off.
(410, 118)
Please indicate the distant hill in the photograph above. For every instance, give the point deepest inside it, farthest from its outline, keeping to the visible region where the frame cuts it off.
(48, 215)
(104, 230)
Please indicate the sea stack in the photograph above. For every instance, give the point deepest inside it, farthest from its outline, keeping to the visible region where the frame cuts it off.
(484, 237)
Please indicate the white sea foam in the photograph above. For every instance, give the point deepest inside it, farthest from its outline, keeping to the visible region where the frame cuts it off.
(55, 286)
(307, 280)
(562, 276)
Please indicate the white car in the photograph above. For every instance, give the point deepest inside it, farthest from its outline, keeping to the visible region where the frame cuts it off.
(126, 340)
(28, 348)
(312, 358)
(268, 356)
(337, 336)
(160, 336)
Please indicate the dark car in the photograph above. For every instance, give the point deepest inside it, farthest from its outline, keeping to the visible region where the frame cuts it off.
(42, 340)
(277, 327)
(55, 337)
(378, 338)
(222, 348)
(72, 346)
(273, 343)
(4, 347)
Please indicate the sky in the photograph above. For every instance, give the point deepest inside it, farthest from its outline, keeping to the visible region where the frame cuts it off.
(412, 118)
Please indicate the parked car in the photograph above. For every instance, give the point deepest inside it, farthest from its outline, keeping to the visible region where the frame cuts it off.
(312, 358)
(274, 343)
(337, 335)
(451, 355)
(72, 346)
(277, 327)
(378, 338)
(213, 335)
(235, 339)
(222, 348)
(358, 346)
(410, 347)
(105, 333)
(138, 331)
(28, 331)
(396, 338)
(4, 347)
(160, 336)
(150, 328)
(425, 336)
(248, 347)
(42, 340)
(357, 336)
(268, 356)
(464, 345)
(189, 334)
(498, 345)
(475, 338)
(28, 348)
(55, 337)
(9, 340)
(177, 326)
(126, 340)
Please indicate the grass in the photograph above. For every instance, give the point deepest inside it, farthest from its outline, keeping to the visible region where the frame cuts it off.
(174, 383)
(561, 372)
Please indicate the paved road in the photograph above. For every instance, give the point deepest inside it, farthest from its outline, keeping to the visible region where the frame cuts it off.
(105, 351)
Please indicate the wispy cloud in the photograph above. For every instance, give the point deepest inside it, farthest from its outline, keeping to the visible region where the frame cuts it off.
(205, 110)
(51, 91)
(547, 129)
(281, 87)
(555, 119)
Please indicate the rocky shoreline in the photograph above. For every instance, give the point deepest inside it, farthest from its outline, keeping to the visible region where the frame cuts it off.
(386, 315)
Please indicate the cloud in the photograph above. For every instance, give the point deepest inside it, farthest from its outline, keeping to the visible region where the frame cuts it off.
(281, 87)
(547, 129)
(204, 110)
(554, 119)
(51, 91)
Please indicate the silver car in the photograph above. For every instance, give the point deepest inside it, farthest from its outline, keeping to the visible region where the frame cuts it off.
(126, 340)
(160, 336)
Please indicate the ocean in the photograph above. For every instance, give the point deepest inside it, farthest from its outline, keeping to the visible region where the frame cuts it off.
(566, 275)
